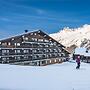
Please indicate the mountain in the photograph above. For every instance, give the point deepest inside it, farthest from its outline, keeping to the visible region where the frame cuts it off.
(77, 36)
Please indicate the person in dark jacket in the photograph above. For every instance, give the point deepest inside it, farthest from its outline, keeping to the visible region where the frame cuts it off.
(78, 62)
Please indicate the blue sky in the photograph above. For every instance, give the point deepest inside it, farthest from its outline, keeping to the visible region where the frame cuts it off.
(48, 15)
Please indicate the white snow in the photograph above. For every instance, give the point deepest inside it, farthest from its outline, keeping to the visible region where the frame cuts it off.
(52, 77)
(82, 51)
(75, 36)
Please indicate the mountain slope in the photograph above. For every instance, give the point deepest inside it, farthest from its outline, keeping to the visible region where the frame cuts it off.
(78, 36)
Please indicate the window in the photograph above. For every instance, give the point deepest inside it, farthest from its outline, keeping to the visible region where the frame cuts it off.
(59, 55)
(34, 51)
(50, 55)
(50, 61)
(38, 31)
(4, 43)
(62, 54)
(55, 50)
(35, 33)
(7, 58)
(47, 56)
(17, 44)
(54, 43)
(41, 40)
(9, 43)
(40, 56)
(12, 39)
(35, 39)
(44, 56)
(47, 50)
(4, 59)
(32, 39)
(50, 50)
(43, 62)
(26, 51)
(46, 45)
(25, 57)
(50, 39)
(40, 45)
(31, 33)
(44, 35)
(44, 50)
(26, 38)
(5, 51)
(46, 40)
(59, 50)
(35, 57)
(23, 36)
(17, 51)
(17, 58)
(0, 42)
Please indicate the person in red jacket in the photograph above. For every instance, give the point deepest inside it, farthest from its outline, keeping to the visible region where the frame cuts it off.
(78, 62)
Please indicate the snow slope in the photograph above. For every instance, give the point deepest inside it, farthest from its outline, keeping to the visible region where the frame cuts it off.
(78, 36)
(53, 77)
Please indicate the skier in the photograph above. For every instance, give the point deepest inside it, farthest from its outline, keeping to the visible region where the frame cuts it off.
(78, 62)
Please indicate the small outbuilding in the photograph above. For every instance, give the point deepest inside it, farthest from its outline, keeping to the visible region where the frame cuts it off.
(84, 54)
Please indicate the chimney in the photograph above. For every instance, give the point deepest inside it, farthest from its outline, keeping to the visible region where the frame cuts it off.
(26, 31)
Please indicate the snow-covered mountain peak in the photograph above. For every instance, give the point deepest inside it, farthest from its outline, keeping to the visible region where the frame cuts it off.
(75, 36)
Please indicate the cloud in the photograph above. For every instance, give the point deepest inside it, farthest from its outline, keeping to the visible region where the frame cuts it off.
(14, 7)
(49, 18)
(39, 11)
(5, 19)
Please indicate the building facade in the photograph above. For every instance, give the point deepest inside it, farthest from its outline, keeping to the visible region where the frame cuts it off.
(33, 48)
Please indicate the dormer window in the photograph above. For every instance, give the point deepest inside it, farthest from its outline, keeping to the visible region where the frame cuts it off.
(38, 31)
(35, 39)
(32, 39)
(44, 35)
(31, 33)
(9, 43)
(50, 39)
(41, 40)
(26, 38)
(35, 33)
(15, 44)
(18, 44)
(12, 39)
(4, 43)
(23, 36)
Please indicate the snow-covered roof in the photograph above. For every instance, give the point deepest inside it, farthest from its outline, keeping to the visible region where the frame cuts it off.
(82, 51)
